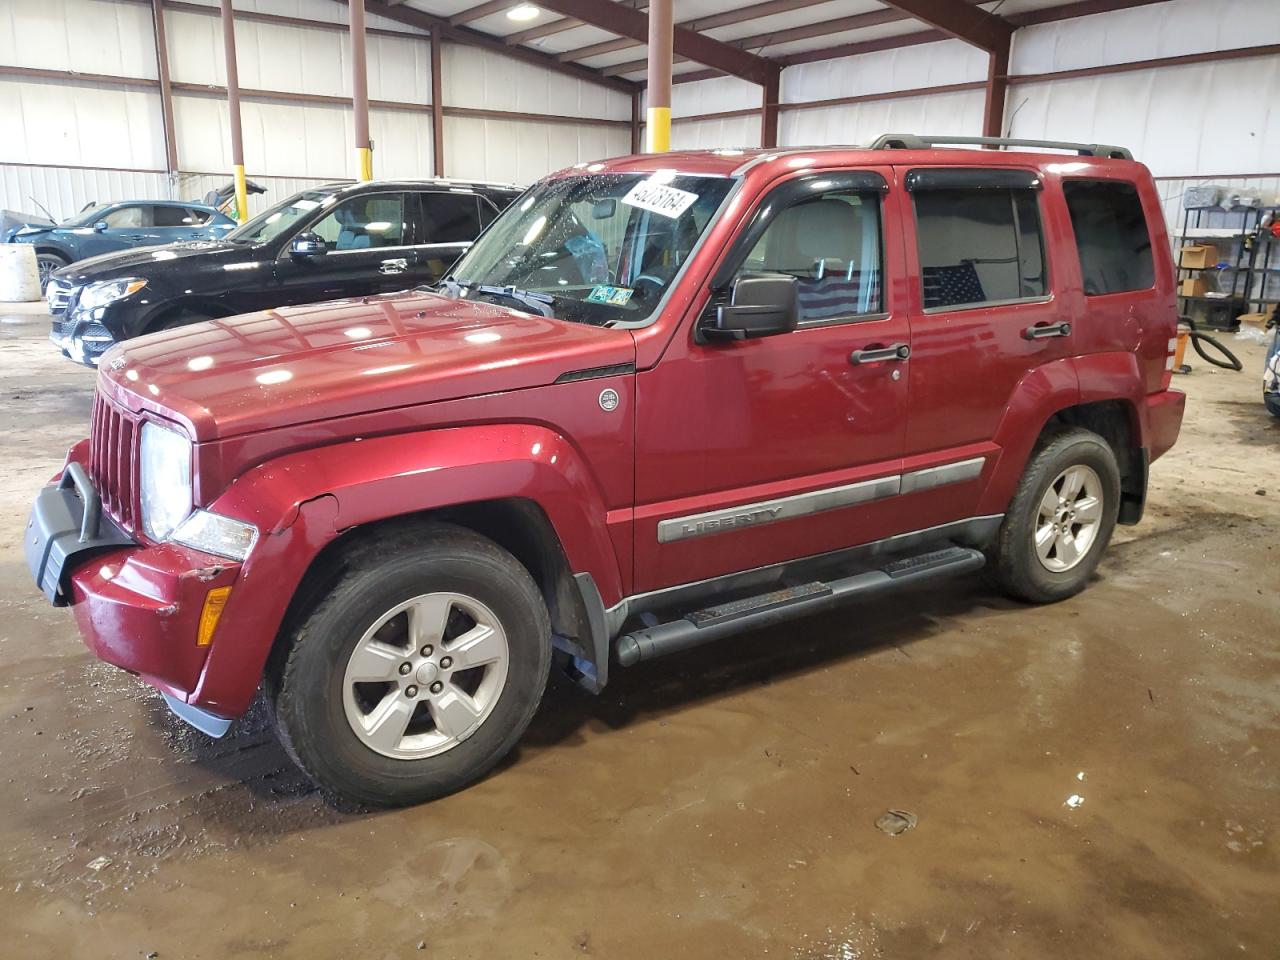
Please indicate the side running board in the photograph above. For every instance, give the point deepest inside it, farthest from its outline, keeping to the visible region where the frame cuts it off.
(703, 626)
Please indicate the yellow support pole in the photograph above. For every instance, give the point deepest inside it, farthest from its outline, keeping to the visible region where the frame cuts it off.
(657, 130)
(242, 194)
(364, 163)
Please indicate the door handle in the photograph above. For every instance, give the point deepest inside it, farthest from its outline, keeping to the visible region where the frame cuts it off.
(392, 267)
(1041, 331)
(895, 351)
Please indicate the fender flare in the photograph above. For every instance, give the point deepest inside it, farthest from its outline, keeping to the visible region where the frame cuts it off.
(1042, 392)
(302, 502)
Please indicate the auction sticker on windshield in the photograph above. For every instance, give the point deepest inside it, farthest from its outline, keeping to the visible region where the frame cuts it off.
(659, 198)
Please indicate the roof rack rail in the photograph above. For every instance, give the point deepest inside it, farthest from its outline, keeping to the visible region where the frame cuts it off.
(911, 141)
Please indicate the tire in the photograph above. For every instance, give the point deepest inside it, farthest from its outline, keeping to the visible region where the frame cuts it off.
(1272, 402)
(1062, 457)
(180, 317)
(332, 723)
(46, 263)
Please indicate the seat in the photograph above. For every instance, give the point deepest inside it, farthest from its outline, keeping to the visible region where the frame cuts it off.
(351, 235)
(819, 243)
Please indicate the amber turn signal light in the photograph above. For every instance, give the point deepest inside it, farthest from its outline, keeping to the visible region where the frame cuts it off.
(214, 603)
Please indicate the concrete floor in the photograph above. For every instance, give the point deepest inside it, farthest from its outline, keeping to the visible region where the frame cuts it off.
(715, 804)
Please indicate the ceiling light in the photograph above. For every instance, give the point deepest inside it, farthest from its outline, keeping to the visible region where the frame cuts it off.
(525, 11)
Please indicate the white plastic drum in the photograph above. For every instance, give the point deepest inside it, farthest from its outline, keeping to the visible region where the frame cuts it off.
(19, 276)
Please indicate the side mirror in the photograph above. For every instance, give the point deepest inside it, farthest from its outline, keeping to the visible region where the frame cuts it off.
(100, 226)
(308, 245)
(758, 307)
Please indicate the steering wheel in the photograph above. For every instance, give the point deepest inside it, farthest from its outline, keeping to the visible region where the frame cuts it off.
(651, 285)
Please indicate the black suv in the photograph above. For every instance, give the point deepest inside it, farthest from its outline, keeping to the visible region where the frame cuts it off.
(341, 240)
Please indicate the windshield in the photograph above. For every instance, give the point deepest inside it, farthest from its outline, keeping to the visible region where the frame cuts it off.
(591, 249)
(284, 215)
(86, 217)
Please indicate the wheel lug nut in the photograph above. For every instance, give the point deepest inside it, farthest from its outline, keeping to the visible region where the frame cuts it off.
(428, 650)
(437, 687)
(446, 662)
(405, 668)
(410, 691)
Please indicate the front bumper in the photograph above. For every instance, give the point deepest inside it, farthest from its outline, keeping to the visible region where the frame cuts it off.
(137, 606)
(82, 336)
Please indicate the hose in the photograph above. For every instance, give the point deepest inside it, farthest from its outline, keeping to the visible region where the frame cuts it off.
(1197, 338)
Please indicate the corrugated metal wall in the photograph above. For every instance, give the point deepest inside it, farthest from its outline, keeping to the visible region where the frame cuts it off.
(61, 135)
(1213, 119)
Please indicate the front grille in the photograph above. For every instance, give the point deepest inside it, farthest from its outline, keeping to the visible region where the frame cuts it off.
(113, 460)
(58, 293)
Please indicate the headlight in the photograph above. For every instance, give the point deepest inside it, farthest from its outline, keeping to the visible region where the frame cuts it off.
(108, 291)
(166, 480)
(216, 534)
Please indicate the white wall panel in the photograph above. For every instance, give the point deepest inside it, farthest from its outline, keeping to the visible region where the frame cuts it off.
(1145, 33)
(323, 10)
(521, 151)
(473, 78)
(1180, 121)
(91, 36)
(906, 68)
(56, 122)
(66, 190)
(401, 144)
(296, 59)
(710, 134)
(954, 113)
(714, 96)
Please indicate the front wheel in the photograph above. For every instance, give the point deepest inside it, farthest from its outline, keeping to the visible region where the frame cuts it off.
(1060, 520)
(418, 671)
(47, 264)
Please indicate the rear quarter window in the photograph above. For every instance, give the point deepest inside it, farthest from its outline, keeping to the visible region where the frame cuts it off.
(1112, 236)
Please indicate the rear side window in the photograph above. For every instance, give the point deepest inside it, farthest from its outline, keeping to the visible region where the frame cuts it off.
(170, 216)
(1111, 235)
(979, 245)
(193, 217)
(451, 217)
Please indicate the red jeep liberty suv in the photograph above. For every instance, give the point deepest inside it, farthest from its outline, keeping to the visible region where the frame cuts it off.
(661, 400)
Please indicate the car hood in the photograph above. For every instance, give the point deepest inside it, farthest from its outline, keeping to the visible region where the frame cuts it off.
(155, 261)
(275, 368)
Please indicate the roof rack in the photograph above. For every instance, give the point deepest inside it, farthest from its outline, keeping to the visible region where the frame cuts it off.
(911, 141)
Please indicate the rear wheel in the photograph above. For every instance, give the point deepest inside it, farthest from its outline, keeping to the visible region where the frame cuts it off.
(1061, 518)
(47, 263)
(418, 671)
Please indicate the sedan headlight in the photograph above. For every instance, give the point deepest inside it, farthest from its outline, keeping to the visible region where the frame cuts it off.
(216, 534)
(109, 291)
(166, 480)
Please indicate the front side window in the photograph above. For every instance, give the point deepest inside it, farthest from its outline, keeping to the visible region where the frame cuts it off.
(127, 218)
(594, 249)
(1111, 235)
(979, 245)
(361, 223)
(831, 244)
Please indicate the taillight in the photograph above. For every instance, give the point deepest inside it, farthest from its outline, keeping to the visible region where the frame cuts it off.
(1176, 347)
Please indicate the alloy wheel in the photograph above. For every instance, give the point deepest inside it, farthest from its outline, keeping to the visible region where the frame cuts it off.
(1068, 518)
(425, 676)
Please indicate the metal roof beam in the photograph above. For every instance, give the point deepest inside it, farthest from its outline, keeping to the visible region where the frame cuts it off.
(474, 13)
(412, 17)
(961, 20)
(626, 22)
(742, 15)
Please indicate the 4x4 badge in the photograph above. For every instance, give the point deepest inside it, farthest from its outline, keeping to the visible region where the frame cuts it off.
(609, 400)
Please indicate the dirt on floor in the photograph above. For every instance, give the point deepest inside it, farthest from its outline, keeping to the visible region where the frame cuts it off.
(1099, 778)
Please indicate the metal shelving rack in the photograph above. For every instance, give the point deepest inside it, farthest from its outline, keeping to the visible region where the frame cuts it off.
(1247, 238)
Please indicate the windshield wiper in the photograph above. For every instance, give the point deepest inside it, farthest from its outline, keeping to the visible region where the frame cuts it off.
(533, 299)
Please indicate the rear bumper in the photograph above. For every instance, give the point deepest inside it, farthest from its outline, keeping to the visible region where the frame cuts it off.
(1164, 420)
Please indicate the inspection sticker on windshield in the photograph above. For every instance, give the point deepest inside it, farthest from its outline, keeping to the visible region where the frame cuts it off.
(659, 198)
(614, 296)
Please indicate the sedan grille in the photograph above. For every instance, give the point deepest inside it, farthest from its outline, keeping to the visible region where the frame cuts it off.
(113, 460)
(58, 293)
